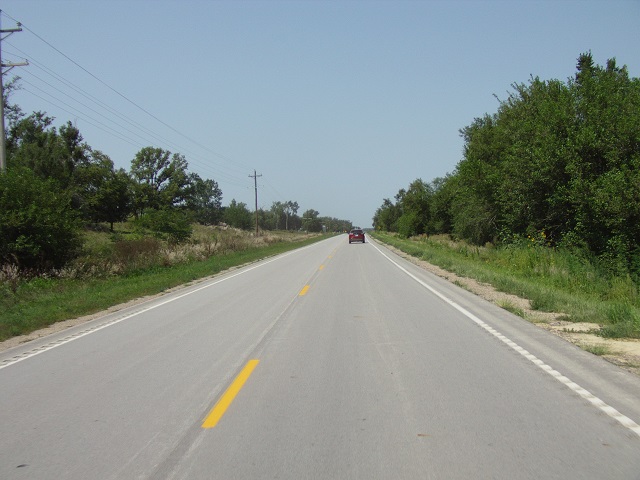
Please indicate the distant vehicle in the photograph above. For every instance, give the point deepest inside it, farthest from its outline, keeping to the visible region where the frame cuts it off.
(356, 235)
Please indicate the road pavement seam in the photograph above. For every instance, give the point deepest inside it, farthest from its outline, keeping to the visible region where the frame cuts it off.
(597, 402)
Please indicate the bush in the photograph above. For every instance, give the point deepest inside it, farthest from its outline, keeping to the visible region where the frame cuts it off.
(38, 227)
(171, 225)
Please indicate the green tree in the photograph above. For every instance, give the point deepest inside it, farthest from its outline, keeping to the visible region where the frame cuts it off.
(444, 191)
(238, 215)
(604, 158)
(333, 224)
(204, 199)
(278, 216)
(102, 193)
(386, 216)
(162, 179)
(35, 143)
(39, 229)
(12, 112)
(290, 210)
(474, 207)
(311, 222)
(415, 206)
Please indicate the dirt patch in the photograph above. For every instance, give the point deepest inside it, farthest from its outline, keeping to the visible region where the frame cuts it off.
(622, 352)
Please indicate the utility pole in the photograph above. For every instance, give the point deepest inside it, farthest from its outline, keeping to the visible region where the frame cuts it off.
(255, 181)
(3, 151)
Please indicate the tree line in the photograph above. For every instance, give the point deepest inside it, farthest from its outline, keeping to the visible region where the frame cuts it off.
(558, 164)
(55, 184)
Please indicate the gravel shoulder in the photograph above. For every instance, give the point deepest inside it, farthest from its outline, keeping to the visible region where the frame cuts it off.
(624, 353)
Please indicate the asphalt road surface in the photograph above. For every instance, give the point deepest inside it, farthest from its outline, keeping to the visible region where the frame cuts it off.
(334, 361)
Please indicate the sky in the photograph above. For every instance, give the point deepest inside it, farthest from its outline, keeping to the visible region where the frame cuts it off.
(337, 105)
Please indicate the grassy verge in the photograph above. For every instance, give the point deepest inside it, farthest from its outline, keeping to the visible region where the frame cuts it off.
(553, 281)
(35, 303)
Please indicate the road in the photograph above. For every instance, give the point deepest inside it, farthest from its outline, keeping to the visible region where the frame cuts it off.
(332, 361)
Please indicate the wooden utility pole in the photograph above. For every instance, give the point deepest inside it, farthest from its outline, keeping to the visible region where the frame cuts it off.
(255, 181)
(3, 152)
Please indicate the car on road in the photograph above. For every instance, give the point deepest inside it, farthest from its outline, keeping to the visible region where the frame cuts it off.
(356, 235)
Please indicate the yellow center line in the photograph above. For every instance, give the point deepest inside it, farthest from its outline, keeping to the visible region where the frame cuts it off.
(304, 290)
(223, 404)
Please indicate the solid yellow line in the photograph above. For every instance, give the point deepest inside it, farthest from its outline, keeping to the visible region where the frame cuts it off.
(223, 404)
(304, 290)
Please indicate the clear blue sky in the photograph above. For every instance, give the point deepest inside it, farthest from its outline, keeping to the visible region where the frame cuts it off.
(337, 104)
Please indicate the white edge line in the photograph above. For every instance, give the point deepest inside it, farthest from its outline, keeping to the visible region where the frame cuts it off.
(609, 410)
(75, 336)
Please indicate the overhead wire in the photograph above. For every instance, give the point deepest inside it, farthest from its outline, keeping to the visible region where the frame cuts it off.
(127, 140)
(215, 168)
(229, 177)
(195, 142)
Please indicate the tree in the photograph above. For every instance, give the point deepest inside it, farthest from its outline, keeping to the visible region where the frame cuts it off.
(39, 229)
(162, 179)
(34, 143)
(290, 209)
(386, 216)
(238, 215)
(444, 191)
(12, 112)
(415, 208)
(278, 214)
(102, 193)
(311, 222)
(332, 224)
(204, 199)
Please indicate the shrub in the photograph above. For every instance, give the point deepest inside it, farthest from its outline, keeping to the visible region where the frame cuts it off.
(172, 225)
(38, 227)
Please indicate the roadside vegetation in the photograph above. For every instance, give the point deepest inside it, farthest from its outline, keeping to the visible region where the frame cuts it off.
(552, 279)
(78, 235)
(119, 266)
(559, 163)
(545, 202)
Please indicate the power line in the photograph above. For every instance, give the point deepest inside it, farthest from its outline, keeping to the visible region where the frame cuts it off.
(125, 97)
(218, 170)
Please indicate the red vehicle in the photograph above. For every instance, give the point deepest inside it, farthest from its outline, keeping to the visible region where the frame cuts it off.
(356, 235)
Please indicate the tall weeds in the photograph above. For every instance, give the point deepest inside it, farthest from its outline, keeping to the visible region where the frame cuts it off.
(554, 280)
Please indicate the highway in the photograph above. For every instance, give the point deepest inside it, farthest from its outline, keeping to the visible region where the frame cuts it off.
(333, 361)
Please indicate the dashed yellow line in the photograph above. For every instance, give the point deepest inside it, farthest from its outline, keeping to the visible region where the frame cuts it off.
(223, 404)
(304, 290)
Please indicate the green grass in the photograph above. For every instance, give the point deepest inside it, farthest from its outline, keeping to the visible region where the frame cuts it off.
(39, 302)
(553, 280)
(511, 307)
(599, 350)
